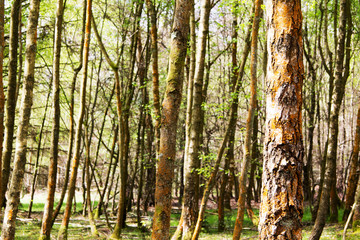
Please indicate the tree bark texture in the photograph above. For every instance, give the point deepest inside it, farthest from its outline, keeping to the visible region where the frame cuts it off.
(170, 112)
(191, 161)
(8, 228)
(282, 194)
(10, 104)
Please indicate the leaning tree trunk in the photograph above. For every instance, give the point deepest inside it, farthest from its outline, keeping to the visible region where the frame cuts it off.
(282, 195)
(76, 160)
(338, 95)
(10, 104)
(170, 112)
(8, 228)
(2, 97)
(54, 149)
(249, 124)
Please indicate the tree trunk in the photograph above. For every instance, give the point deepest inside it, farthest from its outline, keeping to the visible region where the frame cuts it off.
(191, 161)
(49, 205)
(8, 228)
(339, 91)
(155, 70)
(353, 175)
(2, 97)
(36, 169)
(71, 120)
(249, 124)
(282, 194)
(76, 159)
(10, 104)
(170, 112)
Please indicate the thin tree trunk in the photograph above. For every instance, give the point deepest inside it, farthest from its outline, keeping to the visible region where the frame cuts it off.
(49, 205)
(2, 97)
(282, 194)
(94, 231)
(170, 112)
(71, 120)
(36, 170)
(10, 104)
(76, 159)
(353, 175)
(339, 91)
(155, 70)
(249, 124)
(8, 228)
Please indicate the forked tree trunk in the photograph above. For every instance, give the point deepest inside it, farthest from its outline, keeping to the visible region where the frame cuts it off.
(76, 159)
(54, 149)
(282, 194)
(249, 124)
(192, 161)
(8, 228)
(10, 104)
(170, 112)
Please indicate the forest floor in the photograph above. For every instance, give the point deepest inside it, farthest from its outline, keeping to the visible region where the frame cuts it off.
(79, 228)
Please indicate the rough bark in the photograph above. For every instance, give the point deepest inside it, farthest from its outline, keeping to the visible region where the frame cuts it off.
(10, 104)
(54, 149)
(282, 194)
(76, 159)
(8, 227)
(170, 112)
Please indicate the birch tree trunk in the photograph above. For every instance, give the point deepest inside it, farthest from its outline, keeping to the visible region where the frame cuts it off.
(2, 97)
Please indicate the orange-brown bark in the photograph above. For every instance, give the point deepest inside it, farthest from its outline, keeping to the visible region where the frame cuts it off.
(282, 194)
(171, 105)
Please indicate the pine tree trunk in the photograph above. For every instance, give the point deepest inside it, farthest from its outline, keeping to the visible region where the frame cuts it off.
(76, 159)
(170, 112)
(282, 194)
(8, 228)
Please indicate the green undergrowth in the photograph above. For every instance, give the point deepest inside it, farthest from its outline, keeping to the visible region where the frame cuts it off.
(79, 227)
